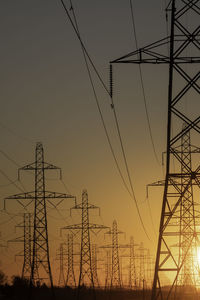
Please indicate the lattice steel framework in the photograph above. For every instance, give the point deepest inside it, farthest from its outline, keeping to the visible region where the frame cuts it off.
(26, 239)
(61, 279)
(187, 217)
(142, 271)
(183, 61)
(94, 264)
(26, 269)
(40, 268)
(86, 272)
(108, 265)
(132, 265)
(70, 281)
(115, 274)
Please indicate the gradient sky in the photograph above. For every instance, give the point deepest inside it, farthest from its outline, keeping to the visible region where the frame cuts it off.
(46, 96)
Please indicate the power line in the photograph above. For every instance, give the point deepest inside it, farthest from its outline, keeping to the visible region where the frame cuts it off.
(142, 85)
(98, 104)
(86, 54)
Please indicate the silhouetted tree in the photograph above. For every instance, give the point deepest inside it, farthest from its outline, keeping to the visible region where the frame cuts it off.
(18, 281)
(3, 278)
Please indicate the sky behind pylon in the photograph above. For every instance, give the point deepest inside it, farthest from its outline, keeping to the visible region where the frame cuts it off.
(46, 96)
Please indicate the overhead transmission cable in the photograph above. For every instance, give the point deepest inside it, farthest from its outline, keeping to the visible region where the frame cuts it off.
(113, 107)
(98, 104)
(143, 89)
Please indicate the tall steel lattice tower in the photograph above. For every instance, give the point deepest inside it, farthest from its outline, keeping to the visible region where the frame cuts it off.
(132, 266)
(26, 269)
(40, 268)
(142, 271)
(94, 264)
(108, 265)
(70, 281)
(115, 275)
(183, 61)
(61, 279)
(187, 217)
(26, 239)
(86, 274)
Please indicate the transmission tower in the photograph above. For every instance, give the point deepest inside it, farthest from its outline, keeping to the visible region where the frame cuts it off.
(108, 265)
(183, 61)
(94, 265)
(142, 271)
(40, 268)
(70, 281)
(132, 266)
(115, 275)
(85, 255)
(26, 239)
(149, 277)
(26, 269)
(61, 279)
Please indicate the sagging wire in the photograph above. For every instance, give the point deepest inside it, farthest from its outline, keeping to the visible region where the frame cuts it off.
(112, 106)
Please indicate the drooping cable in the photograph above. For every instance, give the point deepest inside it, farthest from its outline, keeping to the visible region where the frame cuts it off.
(143, 89)
(115, 116)
(97, 102)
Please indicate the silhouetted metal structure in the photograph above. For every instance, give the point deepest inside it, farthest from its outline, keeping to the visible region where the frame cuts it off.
(26, 239)
(26, 269)
(183, 61)
(94, 264)
(115, 274)
(61, 279)
(142, 270)
(108, 264)
(85, 227)
(40, 268)
(70, 281)
(132, 265)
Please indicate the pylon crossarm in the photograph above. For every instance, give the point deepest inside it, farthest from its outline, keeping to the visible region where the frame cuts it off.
(16, 240)
(80, 206)
(148, 56)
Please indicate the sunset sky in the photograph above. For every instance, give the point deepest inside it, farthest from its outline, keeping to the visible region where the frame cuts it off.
(46, 96)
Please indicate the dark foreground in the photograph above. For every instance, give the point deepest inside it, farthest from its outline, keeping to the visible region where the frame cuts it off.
(21, 293)
(43, 293)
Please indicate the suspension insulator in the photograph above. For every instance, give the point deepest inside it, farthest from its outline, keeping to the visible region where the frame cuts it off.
(111, 81)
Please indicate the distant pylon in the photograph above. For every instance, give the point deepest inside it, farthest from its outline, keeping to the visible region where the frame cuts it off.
(26, 269)
(142, 271)
(94, 264)
(149, 275)
(70, 281)
(108, 265)
(61, 279)
(115, 275)
(40, 268)
(26, 239)
(86, 274)
(132, 266)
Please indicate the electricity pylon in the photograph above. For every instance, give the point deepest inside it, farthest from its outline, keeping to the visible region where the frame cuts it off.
(26, 239)
(40, 268)
(149, 269)
(85, 227)
(132, 265)
(61, 279)
(115, 274)
(108, 265)
(142, 271)
(94, 264)
(183, 61)
(132, 276)
(70, 281)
